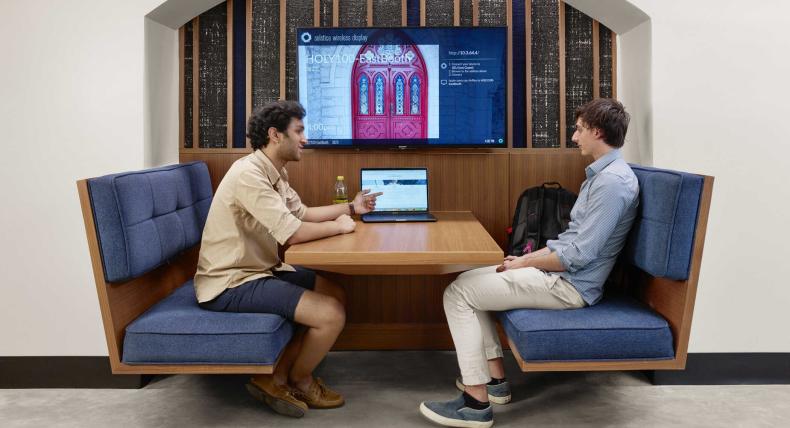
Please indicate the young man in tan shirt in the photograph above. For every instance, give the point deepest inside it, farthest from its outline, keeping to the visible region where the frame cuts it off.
(239, 270)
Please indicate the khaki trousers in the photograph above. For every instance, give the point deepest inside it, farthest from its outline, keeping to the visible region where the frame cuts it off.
(468, 300)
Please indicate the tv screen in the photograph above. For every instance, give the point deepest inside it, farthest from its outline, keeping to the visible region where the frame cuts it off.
(403, 87)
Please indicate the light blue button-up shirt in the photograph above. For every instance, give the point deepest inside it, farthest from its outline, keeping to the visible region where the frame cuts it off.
(600, 221)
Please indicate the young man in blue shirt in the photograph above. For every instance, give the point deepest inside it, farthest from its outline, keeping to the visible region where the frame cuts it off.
(569, 273)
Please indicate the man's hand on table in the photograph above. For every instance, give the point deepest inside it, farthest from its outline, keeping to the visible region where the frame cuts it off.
(345, 223)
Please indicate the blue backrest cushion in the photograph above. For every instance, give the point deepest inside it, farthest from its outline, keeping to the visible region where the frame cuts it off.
(662, 238)
(144, 218)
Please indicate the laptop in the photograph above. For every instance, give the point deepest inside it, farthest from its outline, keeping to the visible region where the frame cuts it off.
(405, 194)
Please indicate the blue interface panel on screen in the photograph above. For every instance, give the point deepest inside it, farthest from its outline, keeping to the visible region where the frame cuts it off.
(403, 86)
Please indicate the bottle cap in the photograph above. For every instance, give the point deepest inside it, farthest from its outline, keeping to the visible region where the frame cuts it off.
(340, 177)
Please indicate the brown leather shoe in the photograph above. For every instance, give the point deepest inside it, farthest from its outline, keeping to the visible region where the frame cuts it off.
(319, 396)
(278, 397)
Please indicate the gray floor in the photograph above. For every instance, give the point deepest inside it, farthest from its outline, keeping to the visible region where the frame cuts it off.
(385, 389)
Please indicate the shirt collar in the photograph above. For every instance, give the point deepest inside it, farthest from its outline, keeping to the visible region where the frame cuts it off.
(269, 169)
(602, 162)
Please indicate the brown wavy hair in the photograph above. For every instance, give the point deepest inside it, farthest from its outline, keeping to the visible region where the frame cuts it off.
(609, 116)
(277, 114)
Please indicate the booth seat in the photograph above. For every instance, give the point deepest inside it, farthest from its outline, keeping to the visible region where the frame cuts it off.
(144, 231)
(644, 322)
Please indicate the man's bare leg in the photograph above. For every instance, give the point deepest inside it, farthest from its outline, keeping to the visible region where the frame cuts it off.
(324, 318)
(284, 365)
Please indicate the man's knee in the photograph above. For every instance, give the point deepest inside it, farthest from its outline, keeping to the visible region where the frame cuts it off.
(452, 294)
(334, 313)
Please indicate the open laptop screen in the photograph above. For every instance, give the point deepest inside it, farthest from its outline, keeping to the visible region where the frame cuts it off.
(405, 190)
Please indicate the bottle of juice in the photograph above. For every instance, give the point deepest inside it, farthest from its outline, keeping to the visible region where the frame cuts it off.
(341, 194)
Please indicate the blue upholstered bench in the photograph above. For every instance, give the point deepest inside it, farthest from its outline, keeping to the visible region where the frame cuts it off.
(646, 323)
(144, 232)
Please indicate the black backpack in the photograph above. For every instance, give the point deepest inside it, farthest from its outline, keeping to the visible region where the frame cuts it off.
(542, 213)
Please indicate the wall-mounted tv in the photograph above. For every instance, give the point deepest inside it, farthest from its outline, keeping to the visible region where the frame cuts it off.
(403, 87)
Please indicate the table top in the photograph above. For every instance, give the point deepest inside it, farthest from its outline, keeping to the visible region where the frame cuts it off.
(454, 243)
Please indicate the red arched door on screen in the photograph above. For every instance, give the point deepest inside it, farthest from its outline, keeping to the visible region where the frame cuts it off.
(389, 89)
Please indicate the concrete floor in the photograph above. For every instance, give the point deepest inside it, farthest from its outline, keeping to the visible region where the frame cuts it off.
(384, 389)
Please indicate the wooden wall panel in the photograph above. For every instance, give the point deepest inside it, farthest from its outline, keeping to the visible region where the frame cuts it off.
(578, 66)
(459, 181)
(218, 163)
(533, 168)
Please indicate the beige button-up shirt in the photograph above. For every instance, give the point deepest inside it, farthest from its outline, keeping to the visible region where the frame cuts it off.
(253, 211)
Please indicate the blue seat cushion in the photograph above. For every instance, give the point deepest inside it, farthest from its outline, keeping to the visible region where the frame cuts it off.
(662, 237)
(617, 328)
(178, 331)
(145, 218)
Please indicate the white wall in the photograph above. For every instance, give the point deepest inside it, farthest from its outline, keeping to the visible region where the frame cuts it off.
(72, 106)
(160, 94)
(719, 73)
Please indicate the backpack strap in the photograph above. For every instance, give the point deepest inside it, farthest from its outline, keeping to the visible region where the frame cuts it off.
(534, 213)
(519, 224)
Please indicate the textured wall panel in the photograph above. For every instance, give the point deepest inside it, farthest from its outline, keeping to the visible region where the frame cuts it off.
(387, 13)
(213, 77)
(492, 13)
(439, 13)
(578, 65)
(325, 13)
(188, 82)
(545, 73)
(466, 13)
(605, 76)
(298, 13)
(353, 13)
(265, 52)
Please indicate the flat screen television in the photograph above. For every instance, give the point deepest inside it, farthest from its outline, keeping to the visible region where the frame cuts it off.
(403, 87)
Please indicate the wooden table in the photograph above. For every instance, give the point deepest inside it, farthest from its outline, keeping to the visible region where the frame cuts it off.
(394, 275)
(455, 243)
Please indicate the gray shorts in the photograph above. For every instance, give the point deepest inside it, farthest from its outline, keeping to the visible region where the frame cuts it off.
(278, 294)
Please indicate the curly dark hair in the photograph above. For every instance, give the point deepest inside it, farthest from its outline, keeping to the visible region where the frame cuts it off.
(277, 114)
(609, 116)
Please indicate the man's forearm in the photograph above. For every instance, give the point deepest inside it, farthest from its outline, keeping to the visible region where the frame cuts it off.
(325, 213)
(542, 252)
(548, 262)
(310, 231)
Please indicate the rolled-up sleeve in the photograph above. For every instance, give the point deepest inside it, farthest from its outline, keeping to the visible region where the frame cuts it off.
(262, 201)
(608, 200)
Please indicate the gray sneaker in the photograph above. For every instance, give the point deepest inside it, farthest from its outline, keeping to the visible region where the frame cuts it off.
(454, 413)
(499, 394)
